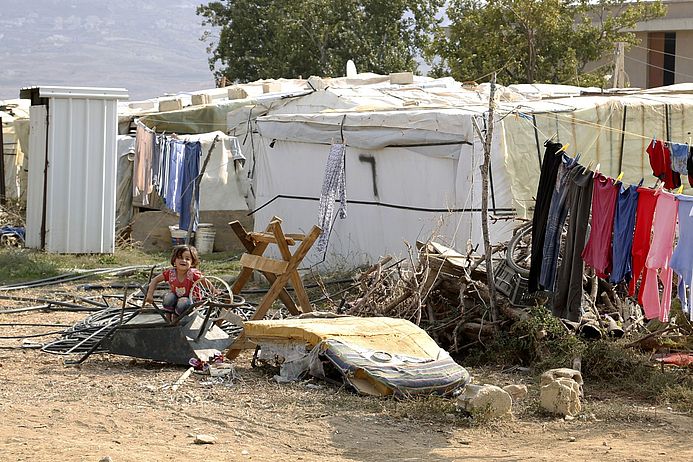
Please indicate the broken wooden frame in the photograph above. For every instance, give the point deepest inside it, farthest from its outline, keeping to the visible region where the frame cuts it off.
(277, 272)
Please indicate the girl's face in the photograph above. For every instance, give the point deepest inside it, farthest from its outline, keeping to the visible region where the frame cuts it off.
(184, 261)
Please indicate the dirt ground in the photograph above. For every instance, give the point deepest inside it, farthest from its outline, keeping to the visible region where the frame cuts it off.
(124, 409)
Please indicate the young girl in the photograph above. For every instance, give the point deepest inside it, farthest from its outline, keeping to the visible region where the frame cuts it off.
(180, 278)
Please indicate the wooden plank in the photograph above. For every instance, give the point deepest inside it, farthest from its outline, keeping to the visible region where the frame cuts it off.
(246, 273)
(242, 235)
(263, 263)
(241, 343)
(267, 237)
(301, 252)
(299, 290)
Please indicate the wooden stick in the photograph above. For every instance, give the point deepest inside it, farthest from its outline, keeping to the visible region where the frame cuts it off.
(484, 200)
(182, 378)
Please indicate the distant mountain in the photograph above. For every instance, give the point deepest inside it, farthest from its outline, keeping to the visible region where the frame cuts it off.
(149, 47)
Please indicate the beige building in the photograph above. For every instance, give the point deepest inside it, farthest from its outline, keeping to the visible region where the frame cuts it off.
(664, 55)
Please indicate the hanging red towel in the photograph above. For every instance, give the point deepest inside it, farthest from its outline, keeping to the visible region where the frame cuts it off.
(641, 237)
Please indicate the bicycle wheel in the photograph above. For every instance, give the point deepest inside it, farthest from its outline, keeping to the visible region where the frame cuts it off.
(519, 250)
(211, 289)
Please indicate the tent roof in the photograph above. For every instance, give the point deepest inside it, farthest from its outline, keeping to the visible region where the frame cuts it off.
(372, 118)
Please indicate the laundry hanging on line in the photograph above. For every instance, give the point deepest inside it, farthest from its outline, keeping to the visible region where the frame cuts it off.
(168, 165)
(632, 233)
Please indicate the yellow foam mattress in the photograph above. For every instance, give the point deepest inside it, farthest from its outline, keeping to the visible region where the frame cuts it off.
(396, 336)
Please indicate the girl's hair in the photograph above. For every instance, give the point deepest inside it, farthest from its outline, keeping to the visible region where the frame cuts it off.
(178, 251)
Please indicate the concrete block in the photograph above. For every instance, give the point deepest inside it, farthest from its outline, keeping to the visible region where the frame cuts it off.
(199, 100)
(174, 104)
(401, 78)
(489, 399)
(561, 396)
(553, 374)
(237, 93)
(271, 87)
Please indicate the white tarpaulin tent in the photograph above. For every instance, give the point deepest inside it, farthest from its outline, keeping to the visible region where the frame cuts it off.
(412, 171)
(414, 152)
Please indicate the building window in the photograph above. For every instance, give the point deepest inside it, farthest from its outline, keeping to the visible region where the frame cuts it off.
(661, 59)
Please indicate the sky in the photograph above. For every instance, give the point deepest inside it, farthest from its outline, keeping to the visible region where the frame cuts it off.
(149, 47)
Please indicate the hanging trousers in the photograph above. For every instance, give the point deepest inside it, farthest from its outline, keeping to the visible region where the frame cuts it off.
(624, 226)
(682, 259)
(554, 226)
(567, 302)
(547, 181)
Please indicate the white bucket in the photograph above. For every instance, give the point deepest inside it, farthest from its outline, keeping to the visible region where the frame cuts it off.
(178, 235)
(204, 238)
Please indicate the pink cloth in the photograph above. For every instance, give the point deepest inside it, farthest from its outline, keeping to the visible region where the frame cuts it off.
(142, 168)
(658, 258)
(597, 252)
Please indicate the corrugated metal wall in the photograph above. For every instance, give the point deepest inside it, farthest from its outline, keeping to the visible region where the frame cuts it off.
(37, 161)
(80, 183)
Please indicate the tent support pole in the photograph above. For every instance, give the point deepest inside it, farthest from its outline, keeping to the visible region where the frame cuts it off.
(536, 139)
(623, 139)
(484, 201)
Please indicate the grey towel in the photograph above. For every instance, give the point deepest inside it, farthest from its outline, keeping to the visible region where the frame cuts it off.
(333, 187)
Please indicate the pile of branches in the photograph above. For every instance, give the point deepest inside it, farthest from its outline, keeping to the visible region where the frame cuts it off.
(439, 289)
(447, 293)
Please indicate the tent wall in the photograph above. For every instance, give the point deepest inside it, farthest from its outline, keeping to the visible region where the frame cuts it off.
(12, 159)
(438, 178)
(612, 132)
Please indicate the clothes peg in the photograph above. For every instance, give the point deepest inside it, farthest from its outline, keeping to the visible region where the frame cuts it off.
(619, 177)
(589, 164)
(564, 148)
(679, 190)
(596, 169)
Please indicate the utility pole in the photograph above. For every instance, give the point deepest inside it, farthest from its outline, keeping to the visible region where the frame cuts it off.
(484, 200)
(618, 80)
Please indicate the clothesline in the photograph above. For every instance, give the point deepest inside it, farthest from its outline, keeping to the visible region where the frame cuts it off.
(591, 125)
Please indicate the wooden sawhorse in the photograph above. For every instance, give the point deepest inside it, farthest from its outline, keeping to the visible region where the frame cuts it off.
(277, 272)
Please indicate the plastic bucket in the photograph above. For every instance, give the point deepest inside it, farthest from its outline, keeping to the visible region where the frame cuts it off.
(178, 235)
(204, 238)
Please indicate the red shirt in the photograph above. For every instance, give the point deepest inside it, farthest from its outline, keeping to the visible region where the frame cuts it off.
(181, 288)
(660, 161)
